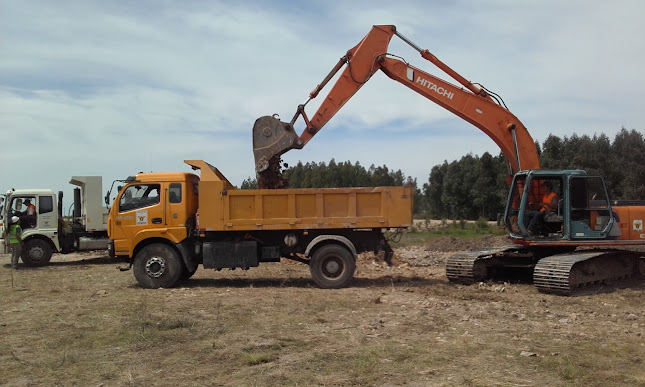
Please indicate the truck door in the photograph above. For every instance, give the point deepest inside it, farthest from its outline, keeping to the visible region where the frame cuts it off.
(47, 220)
(138, 208)
(176, 213)
(590, 209)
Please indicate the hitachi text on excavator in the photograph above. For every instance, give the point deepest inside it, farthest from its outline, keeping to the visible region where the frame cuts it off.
(585, 239)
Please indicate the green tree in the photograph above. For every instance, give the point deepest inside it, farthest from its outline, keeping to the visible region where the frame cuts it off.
(433, 192)
(249, 183)
(628, 153)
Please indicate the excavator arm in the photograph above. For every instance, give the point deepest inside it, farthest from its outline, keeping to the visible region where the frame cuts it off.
(272, 137)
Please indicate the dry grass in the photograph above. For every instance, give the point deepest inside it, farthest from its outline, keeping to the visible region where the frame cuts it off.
(81, 322)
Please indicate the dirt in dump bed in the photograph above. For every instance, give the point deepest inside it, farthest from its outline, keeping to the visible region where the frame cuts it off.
(272, 178)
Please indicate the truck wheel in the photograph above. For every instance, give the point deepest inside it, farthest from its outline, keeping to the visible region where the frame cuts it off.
(185, 273)
(332, 267)
(157, 266)
(36, 252)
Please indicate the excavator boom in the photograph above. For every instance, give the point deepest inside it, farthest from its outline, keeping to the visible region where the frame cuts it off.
(272, 137)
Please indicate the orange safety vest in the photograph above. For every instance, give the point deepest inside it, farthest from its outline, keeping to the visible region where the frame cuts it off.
(31, 210)
(547, 199)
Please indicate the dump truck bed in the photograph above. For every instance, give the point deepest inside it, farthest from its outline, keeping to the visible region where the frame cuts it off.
(222, 207)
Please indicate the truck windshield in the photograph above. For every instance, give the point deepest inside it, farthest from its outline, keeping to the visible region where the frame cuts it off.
(24, 208)
(139, 196)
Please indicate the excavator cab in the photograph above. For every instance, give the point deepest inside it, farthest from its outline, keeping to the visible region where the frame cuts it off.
(581, 209)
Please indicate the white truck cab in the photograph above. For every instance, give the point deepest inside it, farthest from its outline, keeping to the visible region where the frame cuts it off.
(45, 230)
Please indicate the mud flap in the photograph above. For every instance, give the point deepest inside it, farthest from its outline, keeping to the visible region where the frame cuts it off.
(121, 268)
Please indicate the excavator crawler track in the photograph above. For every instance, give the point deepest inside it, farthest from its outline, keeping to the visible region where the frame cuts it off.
(565, 273)
(472, 266)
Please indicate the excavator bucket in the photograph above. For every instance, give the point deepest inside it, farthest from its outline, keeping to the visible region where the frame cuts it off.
(271, 138)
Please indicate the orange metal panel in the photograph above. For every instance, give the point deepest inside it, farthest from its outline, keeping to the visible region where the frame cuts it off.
(223, 207)
(311, 208)
(305, 205)
(368, 204)
(240, 207)
(335, 205)
(275, 206)
(631, 222)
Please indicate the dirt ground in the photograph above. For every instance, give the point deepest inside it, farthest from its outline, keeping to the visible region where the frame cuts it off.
(80, 321)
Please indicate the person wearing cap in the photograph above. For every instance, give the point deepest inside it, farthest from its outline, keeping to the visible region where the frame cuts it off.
(15, 241)
(549, 203)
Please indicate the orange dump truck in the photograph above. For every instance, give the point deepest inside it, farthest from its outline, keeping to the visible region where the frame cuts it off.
(166, 224)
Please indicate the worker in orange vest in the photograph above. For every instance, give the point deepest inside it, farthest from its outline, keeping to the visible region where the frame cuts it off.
(30, 214)
(549, 203)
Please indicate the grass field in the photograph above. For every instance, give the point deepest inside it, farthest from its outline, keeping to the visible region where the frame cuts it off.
(81, 322)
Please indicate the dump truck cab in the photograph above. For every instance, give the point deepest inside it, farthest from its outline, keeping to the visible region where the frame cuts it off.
(152, 207)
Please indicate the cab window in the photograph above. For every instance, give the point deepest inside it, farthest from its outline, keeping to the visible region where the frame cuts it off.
(45, 204)
(139, 196)
(174, 194)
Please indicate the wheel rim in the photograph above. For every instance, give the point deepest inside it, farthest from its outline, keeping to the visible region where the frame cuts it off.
(333, 267)
(36, 253)
(155, 267)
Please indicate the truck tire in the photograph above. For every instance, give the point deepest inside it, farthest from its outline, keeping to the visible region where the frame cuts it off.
(332, 266)
(185, 273)
(157, 266)
(36, 252)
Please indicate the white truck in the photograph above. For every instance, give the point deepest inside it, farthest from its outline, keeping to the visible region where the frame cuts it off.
(48, 231)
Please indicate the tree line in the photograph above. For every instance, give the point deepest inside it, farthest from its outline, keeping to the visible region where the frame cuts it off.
(476, 187)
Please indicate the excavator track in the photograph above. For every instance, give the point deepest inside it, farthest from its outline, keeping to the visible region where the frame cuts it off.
(472, 266)
(563, 274)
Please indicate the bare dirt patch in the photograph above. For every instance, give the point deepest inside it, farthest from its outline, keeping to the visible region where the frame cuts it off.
(80, 321)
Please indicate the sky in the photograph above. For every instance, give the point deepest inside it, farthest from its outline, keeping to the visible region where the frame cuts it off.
(113, 88)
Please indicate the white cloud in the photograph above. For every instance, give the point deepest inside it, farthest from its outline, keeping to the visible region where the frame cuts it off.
(114, 88)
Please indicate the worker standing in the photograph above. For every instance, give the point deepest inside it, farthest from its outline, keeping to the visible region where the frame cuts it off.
(15, 241)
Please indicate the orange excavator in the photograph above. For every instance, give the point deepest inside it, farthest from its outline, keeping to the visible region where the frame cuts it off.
(580, 238)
